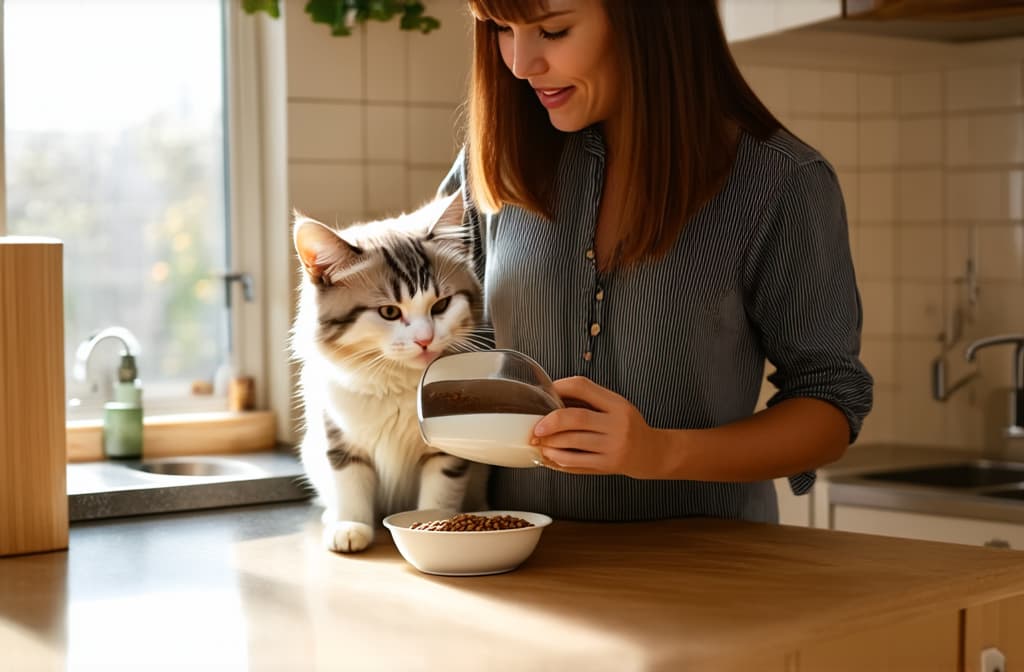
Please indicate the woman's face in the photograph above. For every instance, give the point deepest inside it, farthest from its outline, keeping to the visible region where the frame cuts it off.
(566, 56)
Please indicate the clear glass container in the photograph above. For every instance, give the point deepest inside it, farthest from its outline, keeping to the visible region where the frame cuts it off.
(482, 406)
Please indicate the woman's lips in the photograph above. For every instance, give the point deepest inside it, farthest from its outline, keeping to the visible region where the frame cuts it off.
(552, 98)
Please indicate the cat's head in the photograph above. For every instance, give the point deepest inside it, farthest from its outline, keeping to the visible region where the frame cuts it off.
(389, 294)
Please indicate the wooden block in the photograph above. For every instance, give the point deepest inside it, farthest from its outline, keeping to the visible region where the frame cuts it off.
(33, 488)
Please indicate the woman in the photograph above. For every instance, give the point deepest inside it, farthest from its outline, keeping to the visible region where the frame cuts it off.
(650, 234)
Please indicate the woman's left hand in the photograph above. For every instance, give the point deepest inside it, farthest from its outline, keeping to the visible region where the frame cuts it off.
(613, 438)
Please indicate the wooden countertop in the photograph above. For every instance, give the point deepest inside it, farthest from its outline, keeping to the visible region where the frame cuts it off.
(253, 589)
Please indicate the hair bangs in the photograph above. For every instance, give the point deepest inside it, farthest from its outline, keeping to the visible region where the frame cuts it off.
(508, 11)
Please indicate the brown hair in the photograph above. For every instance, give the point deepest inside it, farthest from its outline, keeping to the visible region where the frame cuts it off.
(682, 95)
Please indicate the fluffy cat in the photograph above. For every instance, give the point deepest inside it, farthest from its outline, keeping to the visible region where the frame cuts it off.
(378, 302)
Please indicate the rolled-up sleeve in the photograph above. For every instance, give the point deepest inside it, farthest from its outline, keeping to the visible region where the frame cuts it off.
(802, 295)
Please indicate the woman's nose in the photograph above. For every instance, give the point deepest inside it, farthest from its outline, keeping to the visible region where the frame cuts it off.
(527, 60)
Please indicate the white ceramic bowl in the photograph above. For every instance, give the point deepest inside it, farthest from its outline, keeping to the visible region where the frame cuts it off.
(464, 553)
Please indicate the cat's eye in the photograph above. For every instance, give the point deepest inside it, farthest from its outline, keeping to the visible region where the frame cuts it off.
(440, 306)
(390, 312)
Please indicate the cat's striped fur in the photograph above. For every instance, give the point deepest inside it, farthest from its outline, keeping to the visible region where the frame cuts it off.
(378, 302)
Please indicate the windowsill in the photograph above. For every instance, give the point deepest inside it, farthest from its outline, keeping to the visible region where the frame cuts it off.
(182, 434)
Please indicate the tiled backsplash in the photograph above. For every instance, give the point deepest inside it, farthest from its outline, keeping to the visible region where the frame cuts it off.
(372, 117)
(928, 142)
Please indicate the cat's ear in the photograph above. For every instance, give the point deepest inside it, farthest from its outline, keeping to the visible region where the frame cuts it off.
(448, 224)
(321, 249)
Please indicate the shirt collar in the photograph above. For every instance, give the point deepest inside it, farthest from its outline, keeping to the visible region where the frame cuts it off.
(593, 141)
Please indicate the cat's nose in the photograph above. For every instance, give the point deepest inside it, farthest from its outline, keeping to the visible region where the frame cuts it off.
(423, 342)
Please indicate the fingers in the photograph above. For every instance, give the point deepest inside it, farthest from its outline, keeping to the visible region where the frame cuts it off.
(587, 391)
(574, 461)
(567, 419)
(590, 442)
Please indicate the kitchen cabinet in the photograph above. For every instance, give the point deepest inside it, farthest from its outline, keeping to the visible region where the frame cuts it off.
(931, 9)
(944, 20)
(793, 509)
(927, 527)
(930, 642)
(995, 624)
(747, 19)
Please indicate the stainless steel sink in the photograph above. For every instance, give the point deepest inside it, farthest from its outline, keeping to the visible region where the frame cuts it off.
(112, 488)
(198, 466)
(1013, 493)
(968, 488)
(968, 475)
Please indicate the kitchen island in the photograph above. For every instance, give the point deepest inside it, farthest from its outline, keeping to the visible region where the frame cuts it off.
(251, 588)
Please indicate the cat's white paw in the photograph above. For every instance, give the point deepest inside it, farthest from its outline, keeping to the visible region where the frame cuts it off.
(347, 536)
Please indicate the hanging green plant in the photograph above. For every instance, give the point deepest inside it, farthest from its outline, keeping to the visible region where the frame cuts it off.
(343, 15)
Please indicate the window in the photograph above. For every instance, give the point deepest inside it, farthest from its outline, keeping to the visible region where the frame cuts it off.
(119, 138)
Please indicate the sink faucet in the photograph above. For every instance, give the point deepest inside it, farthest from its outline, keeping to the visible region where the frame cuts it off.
(1016, 428)
(86, 347)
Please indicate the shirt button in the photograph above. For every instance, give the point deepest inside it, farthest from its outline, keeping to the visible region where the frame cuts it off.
(600, 295)
(595, 329)
(587, 356)
(590, 254)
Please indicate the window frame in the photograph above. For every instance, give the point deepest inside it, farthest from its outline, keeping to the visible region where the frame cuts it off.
(259, 233)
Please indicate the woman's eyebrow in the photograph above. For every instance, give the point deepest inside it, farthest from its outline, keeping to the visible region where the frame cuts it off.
(548, 15)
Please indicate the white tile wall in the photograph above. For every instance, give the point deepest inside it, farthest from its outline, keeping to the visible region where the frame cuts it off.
(839, 142)
(877, 197)
(920, 253)
(838, 93)
(325, 131)
(878, 144)
(387, 62)
(919, 196)
(321, 66)
(876, 95)
(986, 87)
(439, 62)
(920, 93)
(986, 139)
(876, 257)
(920, 141)
(387, 132)
(373, 116)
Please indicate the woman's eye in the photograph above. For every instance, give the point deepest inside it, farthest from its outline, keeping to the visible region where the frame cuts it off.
(502, 29)
(553, 35)
(440, 306)
(390, 312)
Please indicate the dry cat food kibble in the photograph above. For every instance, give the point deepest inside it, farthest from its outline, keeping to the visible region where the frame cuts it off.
(468, 522)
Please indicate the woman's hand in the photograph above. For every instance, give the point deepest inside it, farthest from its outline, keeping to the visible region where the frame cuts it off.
(612, 438)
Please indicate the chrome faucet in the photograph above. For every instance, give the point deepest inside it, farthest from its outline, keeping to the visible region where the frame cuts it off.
(86, 347)
(1016, 427)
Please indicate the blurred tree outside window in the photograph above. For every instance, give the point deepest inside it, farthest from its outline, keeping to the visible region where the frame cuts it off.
(116, 143)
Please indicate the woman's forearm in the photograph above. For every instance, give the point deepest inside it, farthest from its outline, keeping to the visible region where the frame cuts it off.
(792, 436)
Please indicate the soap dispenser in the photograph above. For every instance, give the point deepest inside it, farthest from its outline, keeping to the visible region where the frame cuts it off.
(122, 417)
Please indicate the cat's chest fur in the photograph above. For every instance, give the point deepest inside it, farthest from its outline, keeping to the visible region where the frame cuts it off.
(384, 427)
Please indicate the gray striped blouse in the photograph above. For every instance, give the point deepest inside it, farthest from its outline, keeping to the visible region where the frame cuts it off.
(763, 271)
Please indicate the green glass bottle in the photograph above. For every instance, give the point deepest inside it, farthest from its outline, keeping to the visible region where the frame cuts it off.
(122, 417)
